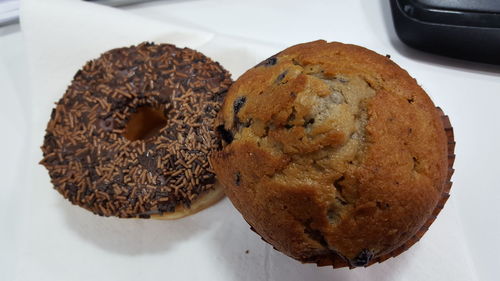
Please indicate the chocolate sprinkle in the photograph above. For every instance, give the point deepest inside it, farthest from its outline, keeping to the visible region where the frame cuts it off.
(91, 162)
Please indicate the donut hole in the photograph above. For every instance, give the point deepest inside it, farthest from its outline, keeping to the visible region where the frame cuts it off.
(145, 123)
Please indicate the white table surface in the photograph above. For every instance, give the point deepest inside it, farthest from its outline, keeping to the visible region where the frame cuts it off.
(468, 92)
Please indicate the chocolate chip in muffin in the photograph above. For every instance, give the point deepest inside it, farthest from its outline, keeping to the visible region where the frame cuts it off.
(339, 190)
(363, 258)
(268, 62)
(281, 76)
(226, 135)
(237, 179)
(238, 104)
(315, 234)
(309, 122)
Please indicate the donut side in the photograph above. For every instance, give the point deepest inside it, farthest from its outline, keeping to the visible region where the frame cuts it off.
(203, 201)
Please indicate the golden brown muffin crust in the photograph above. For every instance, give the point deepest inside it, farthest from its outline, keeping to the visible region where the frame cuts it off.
(333, 153)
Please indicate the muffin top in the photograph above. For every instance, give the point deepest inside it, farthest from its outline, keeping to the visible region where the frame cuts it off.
(332, 153)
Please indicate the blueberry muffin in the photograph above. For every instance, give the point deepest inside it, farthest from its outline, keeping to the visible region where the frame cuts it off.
(333, 154)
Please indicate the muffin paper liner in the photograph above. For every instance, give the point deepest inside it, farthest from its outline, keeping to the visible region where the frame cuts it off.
(341, 262)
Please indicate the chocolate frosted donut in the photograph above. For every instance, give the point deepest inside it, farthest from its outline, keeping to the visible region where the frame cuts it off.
(132, 134)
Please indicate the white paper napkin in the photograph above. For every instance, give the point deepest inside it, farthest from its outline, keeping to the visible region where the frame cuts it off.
(9, 11)
(58, 241)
